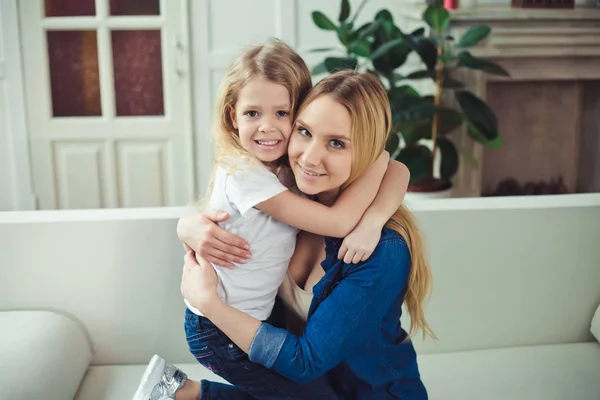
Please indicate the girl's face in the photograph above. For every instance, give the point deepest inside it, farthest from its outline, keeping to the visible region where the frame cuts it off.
(320, 150)
(262, 118)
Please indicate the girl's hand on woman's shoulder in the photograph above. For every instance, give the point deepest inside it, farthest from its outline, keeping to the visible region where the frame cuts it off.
(200, 233)
(361, 242)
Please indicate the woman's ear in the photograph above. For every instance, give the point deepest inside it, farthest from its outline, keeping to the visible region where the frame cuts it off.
(233, 117)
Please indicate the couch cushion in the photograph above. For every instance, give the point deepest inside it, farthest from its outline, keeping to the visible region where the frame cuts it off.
(557, 372)
(43, 355)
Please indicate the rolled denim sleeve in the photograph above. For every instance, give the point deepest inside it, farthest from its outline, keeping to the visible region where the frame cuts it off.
(267, 344)
(341, 322)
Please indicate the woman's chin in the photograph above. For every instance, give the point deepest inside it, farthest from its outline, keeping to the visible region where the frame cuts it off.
(307, 188)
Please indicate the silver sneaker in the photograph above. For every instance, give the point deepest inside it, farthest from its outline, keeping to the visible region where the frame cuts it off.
(160, 381)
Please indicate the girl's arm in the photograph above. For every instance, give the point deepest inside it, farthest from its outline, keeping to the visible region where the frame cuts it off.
(360, 243)
(341, 322)
(337, 220)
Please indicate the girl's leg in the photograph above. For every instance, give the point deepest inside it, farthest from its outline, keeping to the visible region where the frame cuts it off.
(189, 391)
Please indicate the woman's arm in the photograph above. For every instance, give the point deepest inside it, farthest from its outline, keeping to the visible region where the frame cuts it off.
(337, 220)
(359, 244)
(341, 322)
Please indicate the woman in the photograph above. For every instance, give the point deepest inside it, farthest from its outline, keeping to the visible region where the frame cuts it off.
(353, 334)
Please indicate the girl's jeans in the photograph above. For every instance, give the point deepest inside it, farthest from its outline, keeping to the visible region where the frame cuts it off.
(215, 351)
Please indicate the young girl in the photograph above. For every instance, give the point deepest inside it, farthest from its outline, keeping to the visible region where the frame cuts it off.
(260, 94)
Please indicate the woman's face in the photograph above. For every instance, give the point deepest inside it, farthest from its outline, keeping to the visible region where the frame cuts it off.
(320, 150)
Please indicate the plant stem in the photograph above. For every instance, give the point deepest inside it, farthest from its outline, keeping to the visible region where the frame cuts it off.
(437, 102)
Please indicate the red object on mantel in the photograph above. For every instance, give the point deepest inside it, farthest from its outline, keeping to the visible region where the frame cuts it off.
(450, 4)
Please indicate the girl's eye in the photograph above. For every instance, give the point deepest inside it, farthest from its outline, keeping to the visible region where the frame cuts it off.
(282, 113)
(252, 114)
(337, 144)
(303, 132)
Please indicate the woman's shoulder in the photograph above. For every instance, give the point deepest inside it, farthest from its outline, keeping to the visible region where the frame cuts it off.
(392, 237)
(391, 246)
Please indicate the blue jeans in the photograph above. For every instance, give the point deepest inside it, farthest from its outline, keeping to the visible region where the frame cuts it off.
(215, 351)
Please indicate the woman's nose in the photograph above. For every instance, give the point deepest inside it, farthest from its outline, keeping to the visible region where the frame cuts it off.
(311, 155)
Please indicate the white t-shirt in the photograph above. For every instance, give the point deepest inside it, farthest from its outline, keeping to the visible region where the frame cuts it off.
(252, 287)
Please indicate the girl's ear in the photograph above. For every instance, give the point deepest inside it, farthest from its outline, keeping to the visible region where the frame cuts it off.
(233, 118)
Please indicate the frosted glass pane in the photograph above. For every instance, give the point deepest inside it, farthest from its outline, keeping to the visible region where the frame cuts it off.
(137, 61)
(74, 80)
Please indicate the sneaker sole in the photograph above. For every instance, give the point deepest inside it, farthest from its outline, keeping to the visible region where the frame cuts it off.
(150, 379)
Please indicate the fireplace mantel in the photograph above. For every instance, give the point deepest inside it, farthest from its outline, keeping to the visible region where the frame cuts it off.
(553, 57)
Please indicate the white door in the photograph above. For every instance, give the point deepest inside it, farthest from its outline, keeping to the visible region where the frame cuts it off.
(108, 102)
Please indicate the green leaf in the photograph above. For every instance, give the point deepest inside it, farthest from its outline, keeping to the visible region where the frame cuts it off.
(344, 31)
(345, 11)
(418, 32)
(474, 35)
(408, 110)
(425, 48)
(448, 120)
(393, 142)
(478, 137)
(437, 17)
(319, 69)
(447, 57)
(465, 59)
(398, 91)
(384, 15)
(449, 158)
(360, 48)
(383, 49)
(334, 64)
(389, 49)
(451, 83)
(418, 159)
(368, 29)
(321, 49)
(478, 113)
(322, 21)
(421, 74)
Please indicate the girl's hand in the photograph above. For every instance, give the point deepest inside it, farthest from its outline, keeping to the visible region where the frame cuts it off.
(199, 282)
(360, 243)
(208, 240)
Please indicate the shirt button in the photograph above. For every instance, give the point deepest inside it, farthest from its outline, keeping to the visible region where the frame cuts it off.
(231, 345)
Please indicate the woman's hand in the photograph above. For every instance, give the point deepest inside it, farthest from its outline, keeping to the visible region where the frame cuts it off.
(199, 282)
(201, 234)
(361, 242)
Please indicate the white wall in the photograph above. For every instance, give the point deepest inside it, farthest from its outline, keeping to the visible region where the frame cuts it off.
(16, 192)
(507, 272)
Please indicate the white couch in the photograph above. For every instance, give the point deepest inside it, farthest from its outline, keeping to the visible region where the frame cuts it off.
(517, 281)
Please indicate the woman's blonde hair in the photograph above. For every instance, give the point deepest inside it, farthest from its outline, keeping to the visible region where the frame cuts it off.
(273, 61)
(366, 100)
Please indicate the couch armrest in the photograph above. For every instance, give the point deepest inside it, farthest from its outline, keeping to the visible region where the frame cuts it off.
(44, 355)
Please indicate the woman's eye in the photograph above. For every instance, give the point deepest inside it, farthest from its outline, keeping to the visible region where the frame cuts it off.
(337, 144)
(303, 132)
(252, 114)
(282, 113)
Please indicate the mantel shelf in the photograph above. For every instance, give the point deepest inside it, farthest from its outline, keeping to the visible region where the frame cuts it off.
(503, 14)
(497, 14)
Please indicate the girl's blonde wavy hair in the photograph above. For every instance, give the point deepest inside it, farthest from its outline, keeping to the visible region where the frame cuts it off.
(365, 98)
(275, 62)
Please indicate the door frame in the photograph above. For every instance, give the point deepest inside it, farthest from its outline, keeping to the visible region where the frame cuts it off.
(20, 187)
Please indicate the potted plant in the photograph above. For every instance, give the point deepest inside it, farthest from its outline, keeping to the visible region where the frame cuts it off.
(421, 123)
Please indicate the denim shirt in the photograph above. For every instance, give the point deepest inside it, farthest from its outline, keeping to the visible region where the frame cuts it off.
(353, 333)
